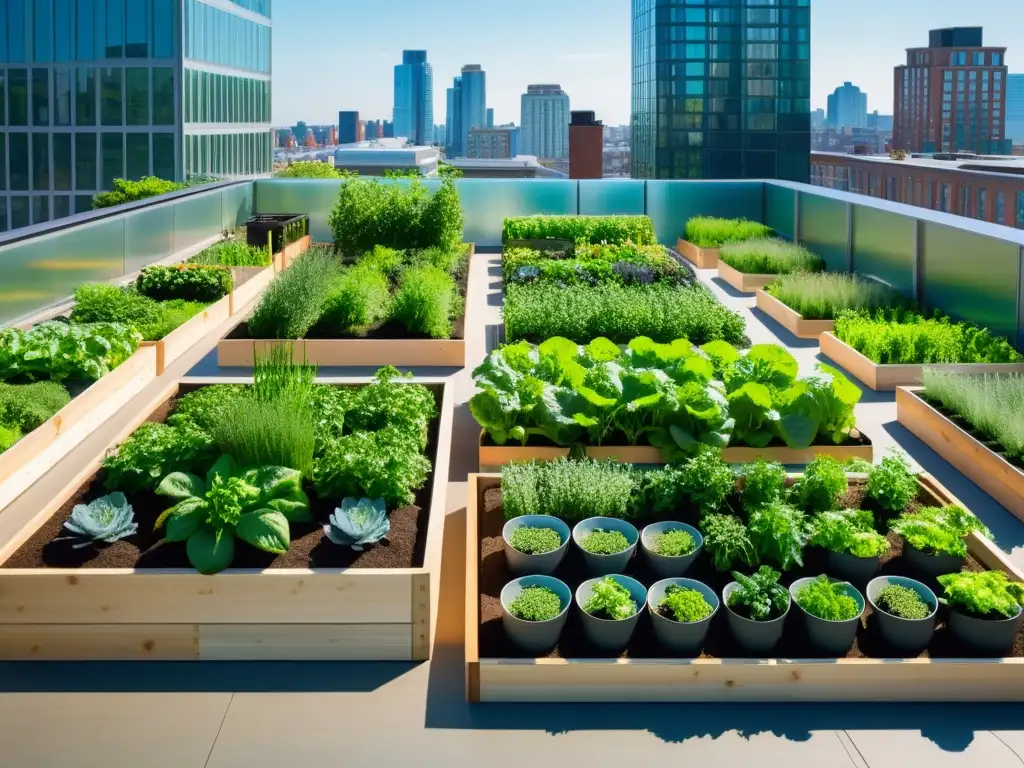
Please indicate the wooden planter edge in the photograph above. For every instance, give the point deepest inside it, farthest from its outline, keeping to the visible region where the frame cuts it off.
(790, 319)
(742, 281)
(702, 258)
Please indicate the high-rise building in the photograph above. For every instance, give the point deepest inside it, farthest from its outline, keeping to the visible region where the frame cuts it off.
(544, 117)
(951, 95)
(473, 103)
(491, 143)
(847, 107)
(101, 90)
(414, 98)
(453, 119)
(586, 146)
(387, 129)
(1015, 109)
(490, 117)
(818, 119)
(721, 90)
(348, 127)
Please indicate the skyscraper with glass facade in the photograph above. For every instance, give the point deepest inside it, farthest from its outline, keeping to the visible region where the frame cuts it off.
(414, 98)
(1015, 109)
(473, 104)
(93, 90)
(721, 89)
(544, 118)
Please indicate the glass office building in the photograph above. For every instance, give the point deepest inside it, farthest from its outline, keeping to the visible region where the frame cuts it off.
(721, 89)
(93, 90)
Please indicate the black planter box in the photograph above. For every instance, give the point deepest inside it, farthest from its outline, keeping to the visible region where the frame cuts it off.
(285, 227)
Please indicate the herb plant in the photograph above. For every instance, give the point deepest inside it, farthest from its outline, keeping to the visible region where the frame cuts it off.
(152, 452)
(710, 232)
(233, 253)
(100, 303)
(535, 604)
(823, 482)
(358, 523)
(766, 256)
(27, 406)
(360, 298)
(903, 602)
(107, 519)
(763, 483)
(599, 542)
(939, 531)
(588, 229)
(685, 605)
(610, 601)
(427, 302)
(294, 301)
(190, 282)
(822, 296)
(779, 533)
(727, 541)
(65, 351)
(988, 594)
(204, 407)
(674, 543)
(892, 484)
(848, 531)
(828, 600)
(570, 490)
(993, 405)
(535, 541)
(759, 597)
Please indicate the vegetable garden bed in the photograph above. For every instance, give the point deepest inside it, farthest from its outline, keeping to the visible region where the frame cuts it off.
(741, 281)
(496, 670)
(138, 599)
(790, 319)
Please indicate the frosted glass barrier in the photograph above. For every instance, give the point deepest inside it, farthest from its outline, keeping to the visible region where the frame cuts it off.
(197, 219)
(611, 197)
(883, 247)
(236, 203)
(672, 203)
(971, 276)
(486, 204)
(313, 197)
(149, 236)
(780, 209)
(823, 229)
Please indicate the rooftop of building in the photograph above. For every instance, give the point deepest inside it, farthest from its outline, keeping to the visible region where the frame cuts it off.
(507, 163)
(982, 163)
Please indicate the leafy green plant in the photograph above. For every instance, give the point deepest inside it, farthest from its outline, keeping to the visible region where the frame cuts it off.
(427, 302)
(233, 253)
(599, 542)
(759, 597)
(359, 299)
(107, 519)
(710, 232)
(987, 594)
(828, 600)
(204, 407)
(727, 541)
(294, 301)
(535, 604)
(685, 605)
(610, 601)
(9, 436)
(625, 264)
(65, 351)
(766, 256)
(706, 480)
(848, 531)
(903, 602)
(534, 541)
(277, 432)
(588, 229)
(939, 531)
(190, 282)
(276, 376)
(391, 400)
(153, 451)
(568, 489)
(764, 482)
(358, 523)
(993, 405)
(779, 534)
(99, 303)
(27, 406)
(125, 191)
(822, 296)
(823, 482)
(892, 484)
(308, 169)
(674, 543)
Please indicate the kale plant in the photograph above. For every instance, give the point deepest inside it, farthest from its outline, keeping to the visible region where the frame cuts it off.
(358, 523)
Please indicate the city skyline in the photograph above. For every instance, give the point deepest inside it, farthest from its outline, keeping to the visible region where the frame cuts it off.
(593, 64)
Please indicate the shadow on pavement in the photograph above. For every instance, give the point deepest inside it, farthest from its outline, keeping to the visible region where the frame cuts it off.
(784, 337)
(868, 395)
(729, 290)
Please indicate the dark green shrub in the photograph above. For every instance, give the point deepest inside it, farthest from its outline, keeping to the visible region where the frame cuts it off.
(190, 283)
(295, 300)
(426, 302)
(126, 191)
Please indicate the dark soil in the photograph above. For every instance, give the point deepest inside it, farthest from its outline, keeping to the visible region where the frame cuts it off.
(310, 548)
(494, 574)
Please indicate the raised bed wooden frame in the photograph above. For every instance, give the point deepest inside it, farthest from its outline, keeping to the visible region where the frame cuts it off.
(178, 614)
(987, 469)
(733, 680)
(790, 319)
(702, 258)
(741, 281)
(241, 353)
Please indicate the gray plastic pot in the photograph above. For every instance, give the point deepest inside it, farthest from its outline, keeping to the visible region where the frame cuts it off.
(668, 567)
(521, 563)
(534, 636)
(607, 634)
(678, 636)
(755, 636)
(905, 634)
(987, 635)
(834, 637)
(858, 570)
(931, 565)
(601, 565)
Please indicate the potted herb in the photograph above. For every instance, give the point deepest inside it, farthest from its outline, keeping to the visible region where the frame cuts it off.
(985, 609)
(853, 545)
(534, 610)
(606, 542)
(757, 608)
(610, 608)
(831, 611)
(681, 612)
(671, 547)
(905, 610)
(935, 538)
(535, 543)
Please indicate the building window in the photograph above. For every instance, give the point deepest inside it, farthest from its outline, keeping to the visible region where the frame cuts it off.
(1020, 209)
(1000, 207)
(965, 200)
(945, 199)
(997, 59)
(982, 204)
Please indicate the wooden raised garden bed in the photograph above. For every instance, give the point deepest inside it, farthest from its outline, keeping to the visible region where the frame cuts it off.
(702, 258)
(240, 352)
(178, 614)
(646, 676)
(790, 319)
(889, 377)
(741, 281)
(987, 469)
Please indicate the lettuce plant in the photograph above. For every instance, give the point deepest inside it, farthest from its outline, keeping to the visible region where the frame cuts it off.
(848, 531)
(358, 523)
(610, 600)
(988, 594)
(65, 351)
(828, 600)
(727, 541)
(107, 519)
(939, 531)
(535, 604)
(759, 597)
(685, 605)
(779, 533)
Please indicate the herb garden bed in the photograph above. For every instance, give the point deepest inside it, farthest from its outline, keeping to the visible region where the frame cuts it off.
(790, 319)
(139, 599)
(741, 281)
(702, 258)
(497, 670)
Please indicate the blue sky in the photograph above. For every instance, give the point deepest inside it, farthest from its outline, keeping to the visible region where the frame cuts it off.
(330, 56)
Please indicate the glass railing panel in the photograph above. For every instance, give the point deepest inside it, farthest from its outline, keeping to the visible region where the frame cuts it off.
(780, 209)
(672, 203)
(883, 246)
(486, 203)
(611, 197)
(823, 228)
(197, 219)
(149, 236)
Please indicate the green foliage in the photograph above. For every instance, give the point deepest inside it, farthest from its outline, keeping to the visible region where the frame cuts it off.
(276, 376)
(674, 543)
(65, 351)
(388, 261)
(535, 604)
(294, 301)
(993, 405)
(587, 229)
(779, 533)
(308, 169)
(427, 302)
(848, 531)
(763, 483)
(903, 602)
(599, 542)
(100, 303)
(9, 436)
(610, 601)
(828, 600)
(255, 505)
(27, 406)
(727, 542)
(453, 261)
(824, 295)
(126, 191)
(823, 482)
(759, 597)
(534, 541)
(107, 519)
(624, 264)
(386, 464)
(358, 523)
(770, 257)
(706, 480)
(203, 407)
(988, 594)
(906, 337)
(892, 484)
(233, 253)
(939, 531)
(567, 489)
(187, 282)
(685, 605)
(154, 451)
(710, 232)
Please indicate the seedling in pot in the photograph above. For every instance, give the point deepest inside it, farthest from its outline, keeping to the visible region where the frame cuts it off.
(599, 542)
(684, 605)
(535, 541)
(610, 601)
(891, 484)
(535, 604)
(903, 602)
(828, 600)
(674, 543)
